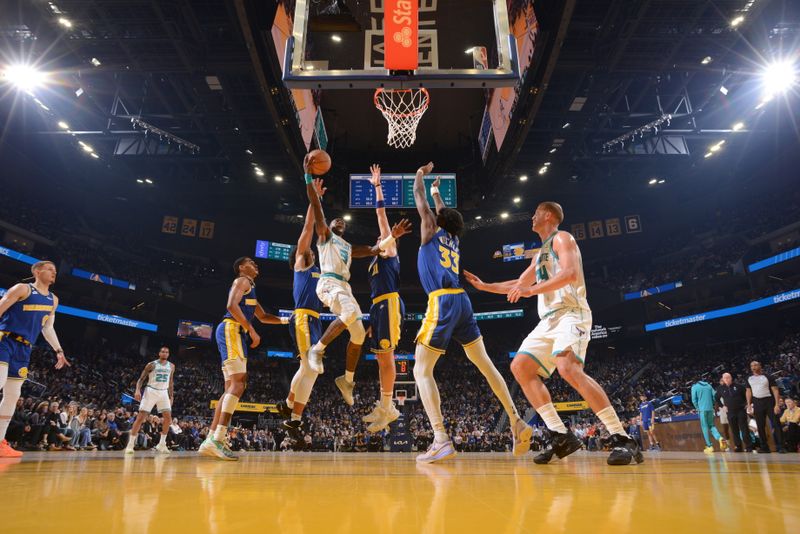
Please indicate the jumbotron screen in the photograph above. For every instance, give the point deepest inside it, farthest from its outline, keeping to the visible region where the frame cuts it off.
(398, 190)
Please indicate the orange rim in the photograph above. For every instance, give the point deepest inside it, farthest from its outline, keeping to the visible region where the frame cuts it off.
(419, 111)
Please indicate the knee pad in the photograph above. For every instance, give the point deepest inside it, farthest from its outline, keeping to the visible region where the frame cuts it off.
(357, 332)
(229, 403)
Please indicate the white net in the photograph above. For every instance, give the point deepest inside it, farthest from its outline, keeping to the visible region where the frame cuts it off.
(402, 109)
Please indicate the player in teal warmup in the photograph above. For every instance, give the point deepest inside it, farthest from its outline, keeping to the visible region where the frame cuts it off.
(703, 401)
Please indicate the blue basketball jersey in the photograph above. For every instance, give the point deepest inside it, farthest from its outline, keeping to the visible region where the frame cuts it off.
(26, 317)
(384, 276)
(438, 262)
(247, 304)
(304, 289)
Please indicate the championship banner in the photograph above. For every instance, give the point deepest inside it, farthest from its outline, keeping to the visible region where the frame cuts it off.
(571, 406)
(401, 34)
(251, 407)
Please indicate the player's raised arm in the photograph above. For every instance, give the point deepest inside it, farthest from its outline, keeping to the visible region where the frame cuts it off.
(398, 230)
(428, 226)
(303, 255)
(313, 188)
(568, 264)
(238, 289)
(380, 208)
(437, 197)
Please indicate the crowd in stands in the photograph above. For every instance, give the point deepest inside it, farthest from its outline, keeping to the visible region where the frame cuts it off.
(81, 407)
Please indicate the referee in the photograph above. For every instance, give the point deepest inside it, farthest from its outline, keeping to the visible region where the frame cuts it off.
(763, 398)
(733, 397)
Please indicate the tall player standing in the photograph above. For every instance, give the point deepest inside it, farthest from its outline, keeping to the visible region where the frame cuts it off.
(305, 326)
(386, 313)
(450, 314)
(560, 339)
(158, 393)
(333, 288)
(242, 307)
(25, 311)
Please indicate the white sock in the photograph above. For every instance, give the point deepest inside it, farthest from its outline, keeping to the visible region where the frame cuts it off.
(440, 436)
(349, 375)
(319, 346)
(609, 418)
(550, 417)
(132, 441)
(296, 417)
(386, 399)
(163, 440)
(429, 391)
(290, 404)
(220, 432)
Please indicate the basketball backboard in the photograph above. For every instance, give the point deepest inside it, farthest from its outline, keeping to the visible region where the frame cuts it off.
(340, 44)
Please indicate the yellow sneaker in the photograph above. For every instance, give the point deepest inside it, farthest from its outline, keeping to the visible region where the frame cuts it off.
(723, 444)
(709, 450)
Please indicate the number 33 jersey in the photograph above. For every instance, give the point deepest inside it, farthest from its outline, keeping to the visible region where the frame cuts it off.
(438, 262)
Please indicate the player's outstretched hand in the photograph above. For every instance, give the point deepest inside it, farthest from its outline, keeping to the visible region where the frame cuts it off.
(426, 169)
(519, 292)
(401, 228)
(476, 282)
(375, 179)
(255, 339)
(62, 361)
(437, 182)
(319, 187)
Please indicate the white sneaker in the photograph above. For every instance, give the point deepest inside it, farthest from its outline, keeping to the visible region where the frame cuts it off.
(386, 417)
(220, 449)
(374, 415)
(205, 447)
(163, 449)
(346, 388)
(128, 450)
(315, 360)
(523, 433)
(437, 452)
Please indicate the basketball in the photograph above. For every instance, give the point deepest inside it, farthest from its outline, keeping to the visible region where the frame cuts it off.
(319, 162)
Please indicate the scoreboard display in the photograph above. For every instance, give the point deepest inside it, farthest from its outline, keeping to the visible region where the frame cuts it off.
(398, 190)
(270, 250)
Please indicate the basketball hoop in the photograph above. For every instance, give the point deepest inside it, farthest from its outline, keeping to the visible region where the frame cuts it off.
(401, 397)
(402, 109)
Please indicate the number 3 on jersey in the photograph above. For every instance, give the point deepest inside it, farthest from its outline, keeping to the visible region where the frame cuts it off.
(449, 259)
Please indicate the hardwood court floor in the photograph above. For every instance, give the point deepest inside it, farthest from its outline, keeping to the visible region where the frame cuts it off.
(390, 493)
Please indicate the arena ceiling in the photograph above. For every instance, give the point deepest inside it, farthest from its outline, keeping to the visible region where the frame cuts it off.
(203, 81)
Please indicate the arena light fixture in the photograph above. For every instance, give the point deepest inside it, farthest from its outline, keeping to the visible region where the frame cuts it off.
(469, 50)
(148, 180)
(336, 39)
(347, 217)
(717, 147)
(553, 150)
(738, 126)
(504, 215)
(65, 22)
(248, 151)
(94, 155)
(139, 181)
(661, 181)
(95, 62)
(258, 171)
(24, 77)
(566, 125)
(708, 155)
(278, 178)
(778, 77)
(523, 178)
(706, 60)
(87, 148)
(546, 163)
(736, 22)
(63, 125)
(300, 216)
(542, 170)
(517, 200)
(653, 181)
(724, 90)
(478, 217)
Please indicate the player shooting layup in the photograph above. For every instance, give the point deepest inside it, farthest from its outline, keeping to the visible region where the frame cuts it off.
(449, 314)
(560, 339)
(333, 289)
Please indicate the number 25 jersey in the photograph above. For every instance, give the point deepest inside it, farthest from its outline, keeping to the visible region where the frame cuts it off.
(438, 262)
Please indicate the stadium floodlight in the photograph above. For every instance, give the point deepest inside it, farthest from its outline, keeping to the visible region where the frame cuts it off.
(653, 181)
(523, 178)
(543, 170)
(336, 39)
(735, 23)
(139, 181)
(738, 126)
(706, 60)
(259, 172)
(347, 217)
(504, 215)
(478, 217)
(553, 150)
(148, 180)
(94, 155)
(708, 155)
(65, 22)
(95, 62)
(517, 200)
(87, 148)
(278, 178)
(778, 77)
(661, 181)
(24, 77)
(63, 125)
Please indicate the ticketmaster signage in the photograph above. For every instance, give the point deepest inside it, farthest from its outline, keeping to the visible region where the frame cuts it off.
(102, 317)
(725, 312)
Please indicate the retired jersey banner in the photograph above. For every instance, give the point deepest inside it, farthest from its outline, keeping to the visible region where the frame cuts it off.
(401, 34)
